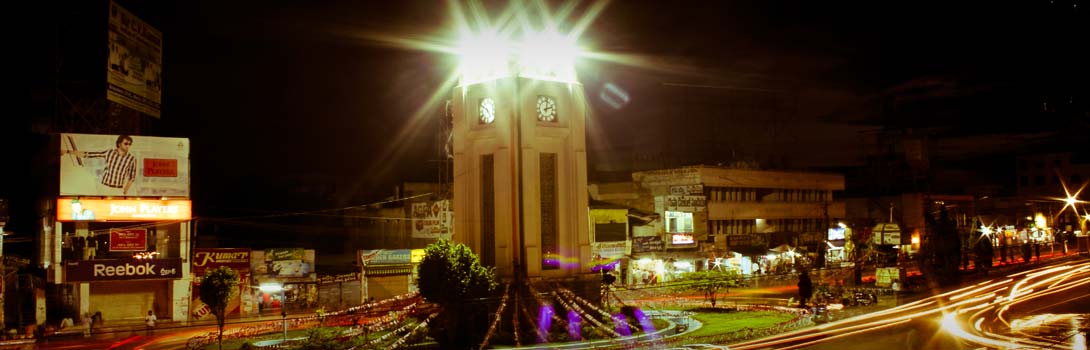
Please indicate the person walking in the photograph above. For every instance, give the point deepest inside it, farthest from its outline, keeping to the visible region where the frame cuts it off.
(149, 323)
(806, 288)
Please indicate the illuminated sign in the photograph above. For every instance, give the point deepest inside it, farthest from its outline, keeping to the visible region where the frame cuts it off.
(122, 270)
(682, 238)
(83, 209)
(205, 259)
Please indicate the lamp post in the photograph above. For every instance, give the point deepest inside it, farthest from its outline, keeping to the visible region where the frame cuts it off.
(273, 288)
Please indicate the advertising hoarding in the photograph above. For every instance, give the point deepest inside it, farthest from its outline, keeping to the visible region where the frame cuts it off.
(122, 269)
(124, 165)
(283, 265)
(682, 239)
(685, 203)
(647, 244)
(432, 219)
(128, 240)
(83, 209)
(205, 259)
(134, 67)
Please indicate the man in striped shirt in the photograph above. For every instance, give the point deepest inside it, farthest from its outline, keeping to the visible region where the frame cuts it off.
(120, 169)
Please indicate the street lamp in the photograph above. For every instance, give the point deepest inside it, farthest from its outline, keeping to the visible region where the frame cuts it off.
(274, 288)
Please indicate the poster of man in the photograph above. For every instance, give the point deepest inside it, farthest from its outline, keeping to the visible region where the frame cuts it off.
(123, 166)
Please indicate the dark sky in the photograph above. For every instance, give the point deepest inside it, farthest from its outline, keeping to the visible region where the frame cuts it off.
(278, 93)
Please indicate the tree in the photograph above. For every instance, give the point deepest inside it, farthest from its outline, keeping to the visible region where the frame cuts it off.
(218, 286)
(451, 276)
(709, 282)
(940, 253)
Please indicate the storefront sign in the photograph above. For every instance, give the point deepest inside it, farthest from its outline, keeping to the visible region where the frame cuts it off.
(682, 239)
(344, 277)
(205, 259)
(685, 203)
(739, 240)
(84, 209)
(128, 240)
(647, 244)
(385, 256)
(122, 269)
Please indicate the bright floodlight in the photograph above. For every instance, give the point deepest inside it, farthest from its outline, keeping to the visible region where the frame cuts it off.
(270, 288)
(483, 56)
(542, 55)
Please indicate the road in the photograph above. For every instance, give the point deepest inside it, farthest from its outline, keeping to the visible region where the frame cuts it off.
(998, 312)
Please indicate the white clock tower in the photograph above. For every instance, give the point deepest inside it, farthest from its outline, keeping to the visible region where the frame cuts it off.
(520, 168)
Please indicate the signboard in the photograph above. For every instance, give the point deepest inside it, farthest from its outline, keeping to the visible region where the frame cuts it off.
(610, 250)
(385, 256)
(83, 209)
(740, 240)
(679, 176)
(685, 203)
(135, 62)
(122, 269)
(687, 190)
(886, 233)
(835, 233)
(128, 240)
(282, 265)
(884, 276)
(647, 244)
(682, 239)
(124, 165)
(205, 259)
(432, 219)
(344, 277)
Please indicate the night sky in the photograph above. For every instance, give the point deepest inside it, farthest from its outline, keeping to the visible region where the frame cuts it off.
(276, 95)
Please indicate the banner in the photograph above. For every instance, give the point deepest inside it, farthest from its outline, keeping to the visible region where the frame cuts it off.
(83, 209)
(199, 310)
(344, 277)
(432, 219)
(205, 259)
(385, 256)
(128, 240)
(123, 166)
(122, 269)
(134, 67)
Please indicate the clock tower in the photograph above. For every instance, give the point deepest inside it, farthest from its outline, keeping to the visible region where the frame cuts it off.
(520, 169)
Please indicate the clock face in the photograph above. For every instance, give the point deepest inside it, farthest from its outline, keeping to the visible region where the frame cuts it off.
(486, 111)
(546, 109)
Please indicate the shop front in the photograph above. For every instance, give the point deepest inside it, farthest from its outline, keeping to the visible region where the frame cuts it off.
(388, 273)
(238, 259)
(284, 280)
(122, 258)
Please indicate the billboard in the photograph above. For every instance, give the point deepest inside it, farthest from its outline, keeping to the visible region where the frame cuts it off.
(128, 240)
(205, 259)
(432, 219)
(385, 256)
(283, 265)
(84, 209)
(134, 65)
(123, 165)
(122, 269)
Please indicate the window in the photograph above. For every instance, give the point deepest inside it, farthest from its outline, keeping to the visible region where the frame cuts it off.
(1024, 180)
(1039, 180)
(677, 221)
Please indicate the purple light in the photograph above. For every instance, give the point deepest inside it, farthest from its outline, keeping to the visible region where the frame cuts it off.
(619, 322)
(544, 322)
(645, 322)
(575, 326)
(611, 266)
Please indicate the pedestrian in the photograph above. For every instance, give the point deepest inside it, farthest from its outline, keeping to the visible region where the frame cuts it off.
(96, 321)
(149, 323)
(806, 288)
(1037, 250)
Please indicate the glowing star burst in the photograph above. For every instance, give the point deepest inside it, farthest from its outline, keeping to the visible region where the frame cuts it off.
(1072, 199)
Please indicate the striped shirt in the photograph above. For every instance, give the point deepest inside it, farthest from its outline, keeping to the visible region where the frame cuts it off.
(120, 168)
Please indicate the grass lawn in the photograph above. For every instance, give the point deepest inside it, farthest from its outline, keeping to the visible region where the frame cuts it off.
(729, 321)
